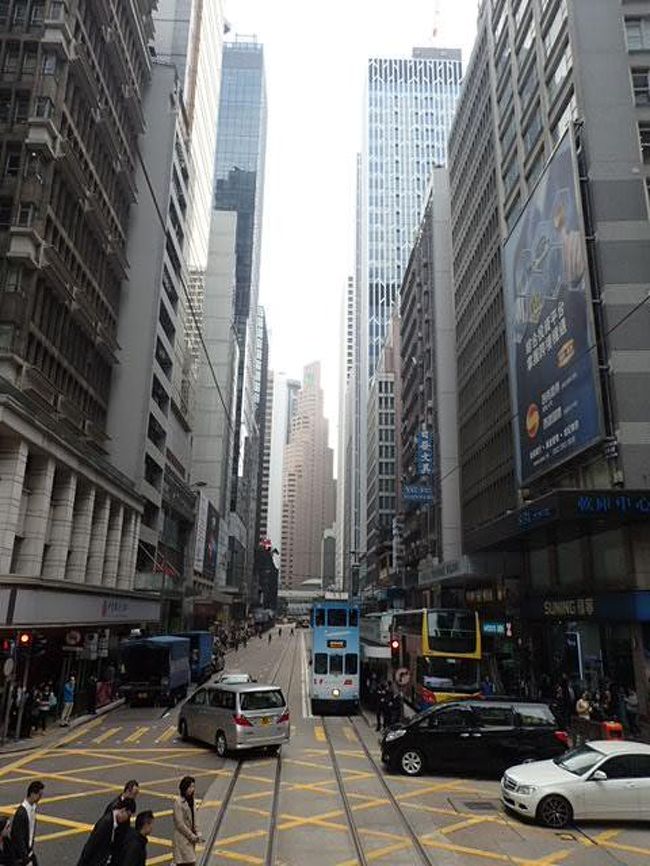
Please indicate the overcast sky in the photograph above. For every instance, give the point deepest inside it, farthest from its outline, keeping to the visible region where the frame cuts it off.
(316, 54)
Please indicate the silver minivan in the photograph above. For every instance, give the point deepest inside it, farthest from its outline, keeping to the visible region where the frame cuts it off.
(236, 716)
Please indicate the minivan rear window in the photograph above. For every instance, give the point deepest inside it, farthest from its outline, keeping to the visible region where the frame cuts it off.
(268, 700)
(534, 717)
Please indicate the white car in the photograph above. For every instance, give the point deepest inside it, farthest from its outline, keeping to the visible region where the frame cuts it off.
(602, 780)
(233, 678)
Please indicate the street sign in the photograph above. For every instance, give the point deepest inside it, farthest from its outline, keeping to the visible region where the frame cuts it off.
(417, 493)
(8, 667)
(402, 677)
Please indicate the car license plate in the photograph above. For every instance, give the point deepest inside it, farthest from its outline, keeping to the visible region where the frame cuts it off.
(265, 721)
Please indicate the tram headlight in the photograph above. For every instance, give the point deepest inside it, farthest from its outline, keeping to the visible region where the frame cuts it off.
(395, 735)
(336, 693)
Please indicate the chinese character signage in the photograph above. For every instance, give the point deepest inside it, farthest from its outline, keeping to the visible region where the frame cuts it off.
(417, 493)
(424, 441)
(553, 361)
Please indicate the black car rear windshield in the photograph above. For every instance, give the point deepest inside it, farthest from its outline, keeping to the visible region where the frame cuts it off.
(270, 700)
(536, 716)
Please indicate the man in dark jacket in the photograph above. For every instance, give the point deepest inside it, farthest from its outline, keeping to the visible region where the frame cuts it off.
(107, 836)
(129, 792)
(380, 706)
(134, 849)
(23, 826)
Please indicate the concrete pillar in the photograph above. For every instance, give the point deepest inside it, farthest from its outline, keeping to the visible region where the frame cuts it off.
(63, 499)
(39, 480)
(81, 529)
(124, 571)
(98, 535)
(13, 459)
(114, 536)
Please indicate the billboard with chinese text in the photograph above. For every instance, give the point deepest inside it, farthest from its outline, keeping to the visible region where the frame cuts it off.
(553, 360)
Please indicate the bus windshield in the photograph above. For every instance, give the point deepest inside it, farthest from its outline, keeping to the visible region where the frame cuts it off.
(452, 631)
(440, 674)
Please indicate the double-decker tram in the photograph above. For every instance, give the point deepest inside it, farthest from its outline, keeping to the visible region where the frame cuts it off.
(334, 682)
(441, 649)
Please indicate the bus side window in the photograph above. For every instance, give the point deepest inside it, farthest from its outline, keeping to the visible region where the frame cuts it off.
(336, 664)
(320, 663)
(354, 618)
(351, 663)
(319, 616)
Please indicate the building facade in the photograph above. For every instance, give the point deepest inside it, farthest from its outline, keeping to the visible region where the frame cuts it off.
(308, 488)
(285, 397)
(239, 187)
(345, 432)
(430, 493)
(73, 77)
(567, 131)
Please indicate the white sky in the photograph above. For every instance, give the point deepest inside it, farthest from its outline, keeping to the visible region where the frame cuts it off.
(316, 54)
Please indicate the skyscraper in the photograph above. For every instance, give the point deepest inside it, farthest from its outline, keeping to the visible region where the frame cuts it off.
(239, 187)
(410, 104)
(285, 396)
(308, 488)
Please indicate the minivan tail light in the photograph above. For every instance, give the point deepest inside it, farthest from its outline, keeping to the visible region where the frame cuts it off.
(242, 721)
(562, 736)
(284, 717)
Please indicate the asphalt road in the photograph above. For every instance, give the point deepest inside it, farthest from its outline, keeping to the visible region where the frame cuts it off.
(326, 801)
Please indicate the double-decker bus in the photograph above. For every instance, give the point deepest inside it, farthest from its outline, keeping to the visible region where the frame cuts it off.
(334, 656)
(441, 649)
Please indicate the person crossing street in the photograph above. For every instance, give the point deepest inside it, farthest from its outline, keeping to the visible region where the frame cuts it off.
(104, 845)
(23, 826)
(185, 836)
(134, 849)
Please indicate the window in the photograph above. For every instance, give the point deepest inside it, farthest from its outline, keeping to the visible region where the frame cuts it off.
(637, 33)
(620, 767)
(199, 697)
(351, 663)
(19, 17)
(644, 140)
(320, 663)
(336, 664)
(354, 618)
(641, 766)
(12, 163)
(29, 61)
(271, 699)
(452, 718)
(5, 106)
(36, 16)
(14, 273)
(5, 213)
(319, 617)
(44, 107)
(49, 63)
(21, 107)
(11, 58)
(534, 717)
(337, 617)
(494, 717)
(25, 214)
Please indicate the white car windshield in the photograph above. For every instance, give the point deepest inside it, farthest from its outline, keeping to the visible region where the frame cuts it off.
(579, 761)
(235, 678)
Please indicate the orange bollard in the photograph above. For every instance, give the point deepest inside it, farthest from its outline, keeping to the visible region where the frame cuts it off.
(611, 730)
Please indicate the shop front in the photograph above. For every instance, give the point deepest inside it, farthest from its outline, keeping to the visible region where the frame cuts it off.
(591, 639)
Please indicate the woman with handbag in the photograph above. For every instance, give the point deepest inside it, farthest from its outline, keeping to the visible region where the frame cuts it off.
(185, 834)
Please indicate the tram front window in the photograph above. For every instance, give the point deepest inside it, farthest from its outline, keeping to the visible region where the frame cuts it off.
(337, 617)
(336, 664)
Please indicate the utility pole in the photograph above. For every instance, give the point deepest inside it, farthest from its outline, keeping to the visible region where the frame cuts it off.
(21, 708)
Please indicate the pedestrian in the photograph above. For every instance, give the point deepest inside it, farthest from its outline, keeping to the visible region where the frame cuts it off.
(130, 791)
(583, 712)
(92, 695)
(380, 706)
(52, 701)
(23, 825)
(104, 845)
(7, 856)
(270, 636)
(487, 687)
(280, 632)
(632, 709)
(393, 707)
(185, 835)
(68, 700)
(292, 631)
(134, 849)
(43, 704)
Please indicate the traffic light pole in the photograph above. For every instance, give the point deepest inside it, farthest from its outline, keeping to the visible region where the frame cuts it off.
(21, 708)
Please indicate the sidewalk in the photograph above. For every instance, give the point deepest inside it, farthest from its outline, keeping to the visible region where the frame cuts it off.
(56, 734)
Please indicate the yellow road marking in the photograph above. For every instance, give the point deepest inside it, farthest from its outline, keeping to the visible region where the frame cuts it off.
(376, 854)
(59, 834)
(463, 825)
(233, 855)
(162, 858)
(106, 735)
(137, 734)
(319, 733)
(169, 734)
(629, 849)
(39, 753)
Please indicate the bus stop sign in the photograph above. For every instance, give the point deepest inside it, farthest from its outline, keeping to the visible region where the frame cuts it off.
(402, 677)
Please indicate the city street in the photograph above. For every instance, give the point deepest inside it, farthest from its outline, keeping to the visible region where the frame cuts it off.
(456, 820)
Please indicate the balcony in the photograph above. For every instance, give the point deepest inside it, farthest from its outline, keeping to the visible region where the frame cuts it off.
(117, 257)
(42, 137)
(81, 66)
(106, 343)
(34, 383)
(82, 311)
(25, 246)
(133, 104)
(69, 413)
(116, 53)
(72, 168)
(57, 272)
(57, 35)
(96, 216)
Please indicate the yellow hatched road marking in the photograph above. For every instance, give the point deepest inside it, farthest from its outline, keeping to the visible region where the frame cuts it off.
(169, 734)
(319, 733)
(137, 734)
(106, 735)
(59, 834)
(377, 854)
(233, 855)
(162, 858)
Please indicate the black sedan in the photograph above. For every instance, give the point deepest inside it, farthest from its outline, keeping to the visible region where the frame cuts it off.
(478, 737)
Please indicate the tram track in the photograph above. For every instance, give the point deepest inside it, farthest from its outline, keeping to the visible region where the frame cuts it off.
(268, 854)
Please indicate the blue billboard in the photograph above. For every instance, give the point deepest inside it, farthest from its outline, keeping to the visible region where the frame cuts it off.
(553, 361)
(424, 441)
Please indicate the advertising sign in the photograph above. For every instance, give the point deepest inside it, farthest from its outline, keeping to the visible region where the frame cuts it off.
(417, 493)
(211, 542)
(553, 361)
(424, 441)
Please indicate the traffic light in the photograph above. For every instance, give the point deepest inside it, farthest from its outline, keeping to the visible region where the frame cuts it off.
(39, 644)
(6, 647)
(394, 652)
(24, 639)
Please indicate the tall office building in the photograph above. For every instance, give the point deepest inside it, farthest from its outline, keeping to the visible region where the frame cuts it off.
(265, 478)
(239, 187)
(285, 397)
(410, 104)
(73, 77)
(308, 487)
(344, 451)
(563, 187)
(189, 34)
